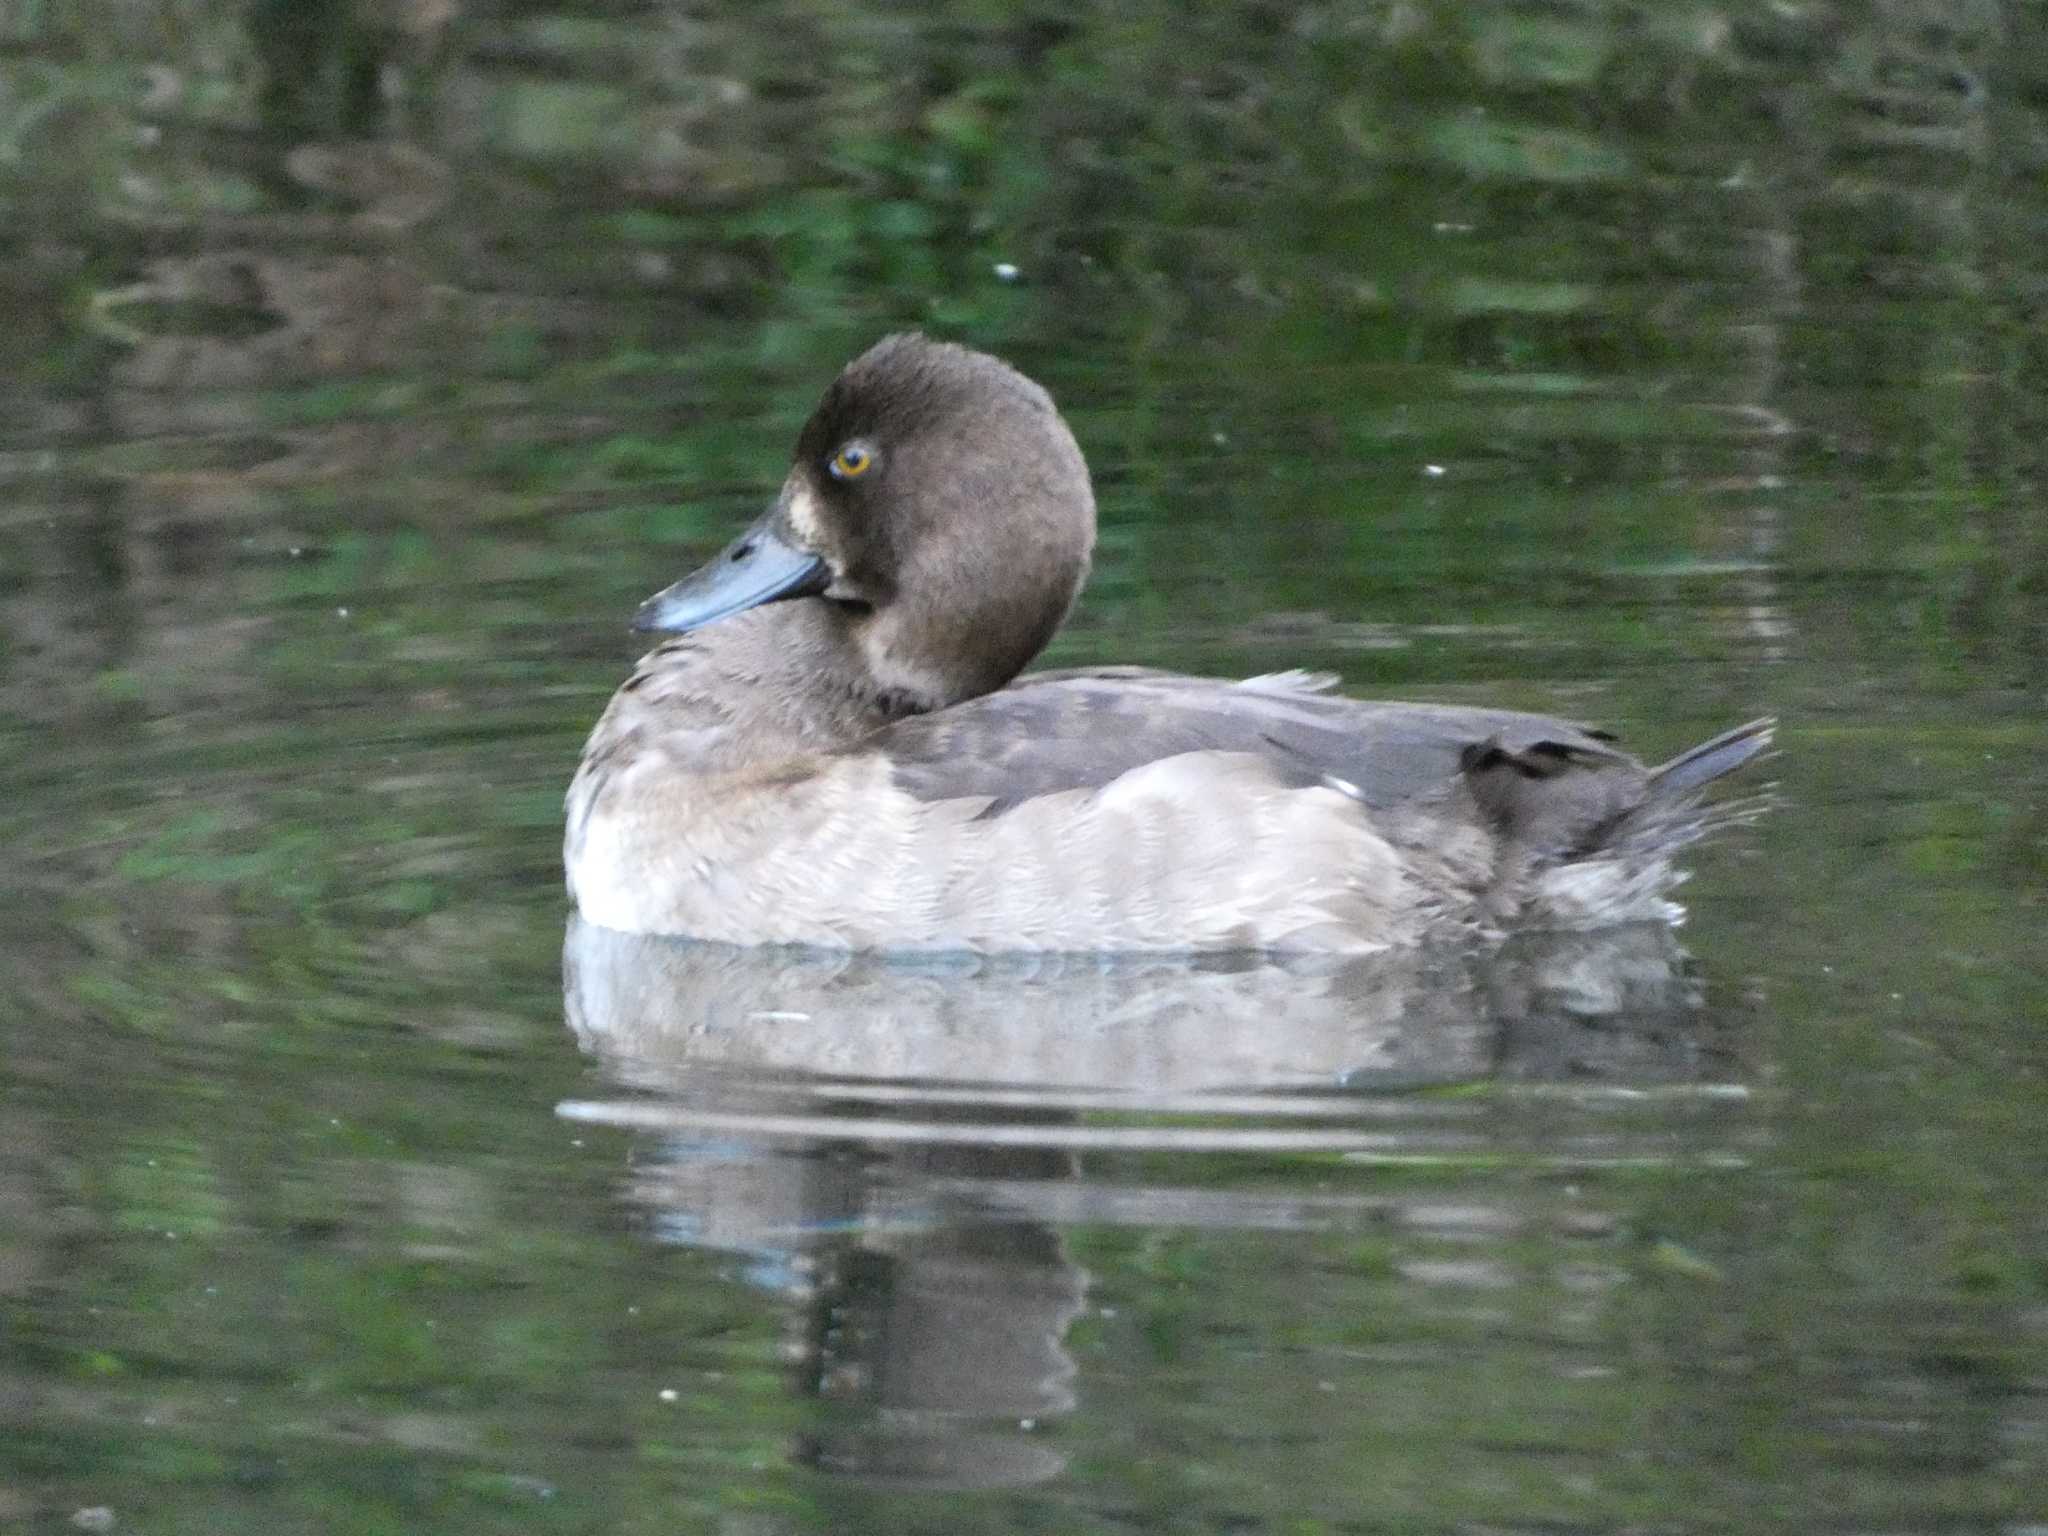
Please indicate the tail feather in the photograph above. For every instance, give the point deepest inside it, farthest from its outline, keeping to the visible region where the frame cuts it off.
(1697, 767)
(1674, 811)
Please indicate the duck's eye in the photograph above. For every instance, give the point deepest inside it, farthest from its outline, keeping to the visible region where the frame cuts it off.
(852, 461)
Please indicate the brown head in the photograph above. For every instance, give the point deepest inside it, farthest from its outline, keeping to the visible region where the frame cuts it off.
(937, 503)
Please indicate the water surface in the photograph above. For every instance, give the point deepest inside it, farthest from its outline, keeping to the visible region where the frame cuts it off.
(1660, 366)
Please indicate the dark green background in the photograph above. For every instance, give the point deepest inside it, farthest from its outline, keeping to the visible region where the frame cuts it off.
(365, 361)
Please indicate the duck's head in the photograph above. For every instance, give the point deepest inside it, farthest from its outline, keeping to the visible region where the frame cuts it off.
(940, 507)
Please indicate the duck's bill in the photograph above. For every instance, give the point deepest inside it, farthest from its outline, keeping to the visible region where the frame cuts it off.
(760, 566)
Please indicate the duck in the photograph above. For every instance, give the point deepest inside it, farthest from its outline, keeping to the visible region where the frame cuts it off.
(834, 743)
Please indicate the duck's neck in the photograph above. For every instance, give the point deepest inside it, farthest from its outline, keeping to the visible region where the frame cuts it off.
(760, 687)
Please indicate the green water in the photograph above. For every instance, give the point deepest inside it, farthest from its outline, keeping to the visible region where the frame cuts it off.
(1667, 365)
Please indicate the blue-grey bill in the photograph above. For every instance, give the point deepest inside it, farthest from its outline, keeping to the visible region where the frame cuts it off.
(760, 566)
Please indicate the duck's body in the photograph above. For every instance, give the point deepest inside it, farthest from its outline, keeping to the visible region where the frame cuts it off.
(835, 752)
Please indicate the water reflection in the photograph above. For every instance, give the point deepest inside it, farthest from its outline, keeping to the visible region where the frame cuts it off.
(894, 1146)
(1615, 1002)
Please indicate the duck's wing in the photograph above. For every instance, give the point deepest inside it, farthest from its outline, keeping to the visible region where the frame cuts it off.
(1052, 732)
(1551, 786)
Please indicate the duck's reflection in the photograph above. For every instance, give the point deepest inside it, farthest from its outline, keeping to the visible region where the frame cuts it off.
(892, 1144)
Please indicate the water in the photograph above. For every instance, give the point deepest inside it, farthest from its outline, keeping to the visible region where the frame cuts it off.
(1665, 366)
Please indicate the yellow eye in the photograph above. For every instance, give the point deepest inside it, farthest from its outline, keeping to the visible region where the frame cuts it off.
(852, 461)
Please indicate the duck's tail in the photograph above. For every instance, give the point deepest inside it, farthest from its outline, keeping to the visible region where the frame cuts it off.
(1674, 810)
(1625, 870)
